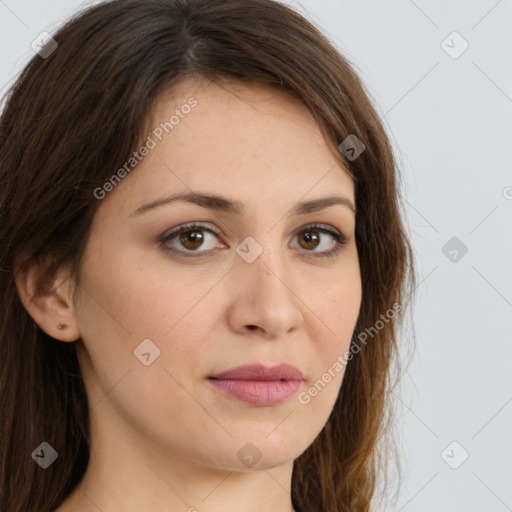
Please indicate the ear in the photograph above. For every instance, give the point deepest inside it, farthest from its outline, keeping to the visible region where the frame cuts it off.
(48, 299)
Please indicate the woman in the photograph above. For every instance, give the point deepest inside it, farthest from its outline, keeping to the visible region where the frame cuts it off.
(204, 266)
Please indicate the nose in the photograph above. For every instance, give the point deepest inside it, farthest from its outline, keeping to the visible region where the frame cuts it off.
(265, 298)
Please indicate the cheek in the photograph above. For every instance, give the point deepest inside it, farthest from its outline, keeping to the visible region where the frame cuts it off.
(124, 302)
(141, 293)
(120, 305)
(332, 326)
(338, 292)
(336, 306)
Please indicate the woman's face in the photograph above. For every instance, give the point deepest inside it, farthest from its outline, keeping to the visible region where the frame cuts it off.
(159, 317)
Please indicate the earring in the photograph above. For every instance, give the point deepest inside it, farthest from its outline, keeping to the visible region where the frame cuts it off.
(61, 326)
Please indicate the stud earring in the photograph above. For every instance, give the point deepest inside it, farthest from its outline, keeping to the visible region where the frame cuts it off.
(61, 326)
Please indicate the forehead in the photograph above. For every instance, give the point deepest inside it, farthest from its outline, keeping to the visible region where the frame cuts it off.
(255, 141)
(227, 112)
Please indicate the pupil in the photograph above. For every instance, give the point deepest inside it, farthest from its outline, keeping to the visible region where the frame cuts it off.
(310, 238)
(192, 239)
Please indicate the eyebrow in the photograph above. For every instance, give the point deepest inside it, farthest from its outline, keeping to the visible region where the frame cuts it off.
(218, 203)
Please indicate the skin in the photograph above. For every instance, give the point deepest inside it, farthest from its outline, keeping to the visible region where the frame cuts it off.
(162, 438)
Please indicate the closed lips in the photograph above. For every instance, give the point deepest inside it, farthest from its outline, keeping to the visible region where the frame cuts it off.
(259, 385)
(261, 372)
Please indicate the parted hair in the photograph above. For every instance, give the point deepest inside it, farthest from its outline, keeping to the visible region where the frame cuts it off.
(73, 117)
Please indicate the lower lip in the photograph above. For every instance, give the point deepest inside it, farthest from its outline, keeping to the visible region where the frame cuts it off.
(258, 392)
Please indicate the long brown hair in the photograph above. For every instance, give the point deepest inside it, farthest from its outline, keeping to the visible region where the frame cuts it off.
(74, 116)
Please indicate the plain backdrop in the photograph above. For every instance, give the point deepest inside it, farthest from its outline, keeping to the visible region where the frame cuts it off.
(440, 75)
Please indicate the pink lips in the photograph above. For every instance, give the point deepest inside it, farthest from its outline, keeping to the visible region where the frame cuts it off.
(258, 384)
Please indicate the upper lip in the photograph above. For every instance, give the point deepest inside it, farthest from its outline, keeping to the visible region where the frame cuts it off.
(259, 371)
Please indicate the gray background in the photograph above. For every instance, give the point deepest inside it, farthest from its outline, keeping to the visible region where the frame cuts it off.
(449, 119)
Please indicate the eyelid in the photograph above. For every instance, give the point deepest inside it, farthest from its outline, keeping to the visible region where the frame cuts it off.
(206, 226)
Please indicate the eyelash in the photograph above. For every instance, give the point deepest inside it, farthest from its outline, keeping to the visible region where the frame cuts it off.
(340, 240)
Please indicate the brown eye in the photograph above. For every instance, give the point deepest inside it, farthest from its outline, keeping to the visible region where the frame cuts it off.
(186, 240)
(311, 239)
(192, 239)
